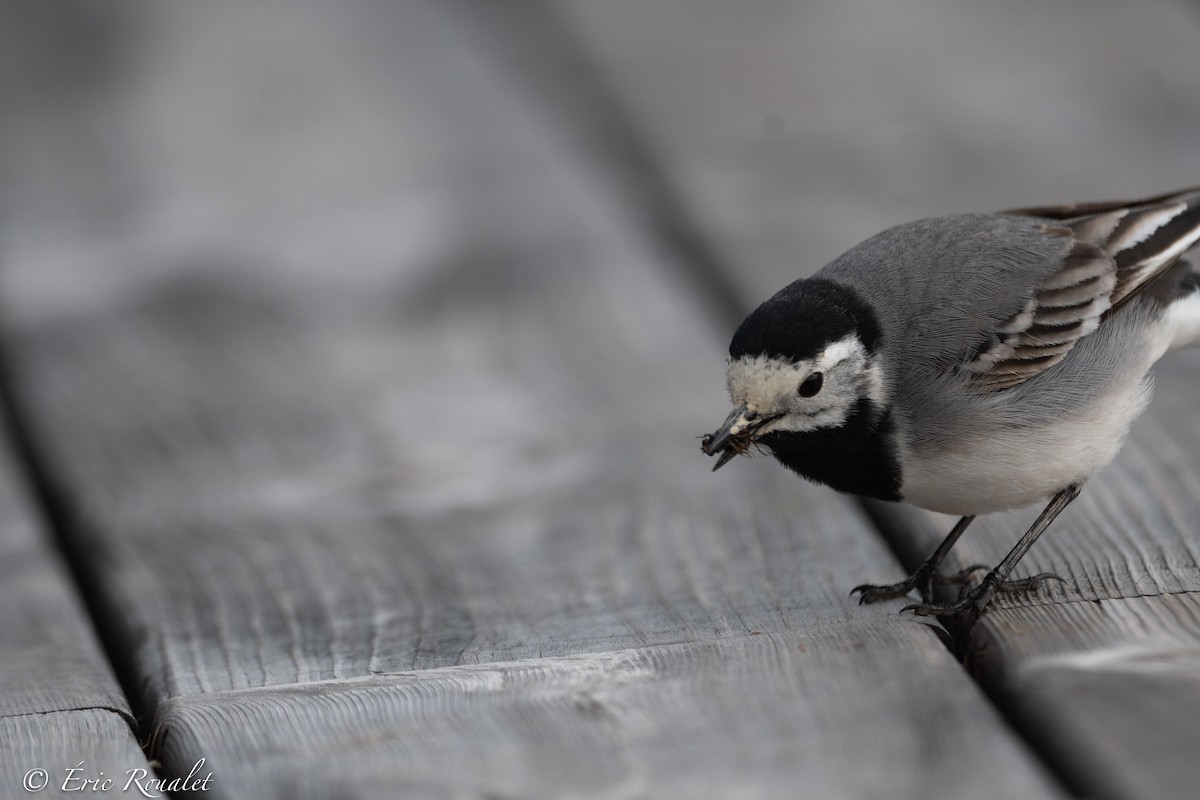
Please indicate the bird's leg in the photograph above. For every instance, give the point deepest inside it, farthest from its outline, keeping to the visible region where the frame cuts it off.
(926, 575)
(971, 606)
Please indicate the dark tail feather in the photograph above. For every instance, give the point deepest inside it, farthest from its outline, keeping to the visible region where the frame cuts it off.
(1143, 237)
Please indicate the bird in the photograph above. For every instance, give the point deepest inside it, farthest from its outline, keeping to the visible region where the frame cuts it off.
(968, 364)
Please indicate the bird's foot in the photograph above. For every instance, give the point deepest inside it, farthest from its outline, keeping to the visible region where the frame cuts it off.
(972, 603)
(923, 580)
(1028, 584)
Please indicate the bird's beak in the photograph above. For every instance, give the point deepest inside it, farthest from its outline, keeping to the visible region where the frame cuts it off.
(735, 425)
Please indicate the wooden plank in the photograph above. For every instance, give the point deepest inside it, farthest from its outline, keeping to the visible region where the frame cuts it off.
(791, 139)
(53, 754)
(1107, 688)
(510, 412)
(317, 451)
(60, 704)
(49, 657)
(752, 716)
(358, 487)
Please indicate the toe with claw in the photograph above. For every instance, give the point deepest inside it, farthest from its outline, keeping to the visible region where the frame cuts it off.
(923, 580)
(973, 602)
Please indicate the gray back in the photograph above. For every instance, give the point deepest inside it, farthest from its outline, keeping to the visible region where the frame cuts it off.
(940, 286)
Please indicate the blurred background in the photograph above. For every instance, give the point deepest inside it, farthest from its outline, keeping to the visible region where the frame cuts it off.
(782, 132)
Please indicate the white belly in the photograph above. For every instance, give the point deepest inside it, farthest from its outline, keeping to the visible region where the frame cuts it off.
(1019, 466)
(1019, 449)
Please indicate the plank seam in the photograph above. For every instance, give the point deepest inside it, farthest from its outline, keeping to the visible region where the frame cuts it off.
(119, 712)
(48, 506)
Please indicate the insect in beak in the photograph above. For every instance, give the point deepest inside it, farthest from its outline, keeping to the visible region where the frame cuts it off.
(735, 436)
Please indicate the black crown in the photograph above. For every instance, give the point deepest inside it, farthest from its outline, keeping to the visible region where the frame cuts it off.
(804, 318)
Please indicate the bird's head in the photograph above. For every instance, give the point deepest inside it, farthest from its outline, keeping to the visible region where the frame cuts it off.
(803, 362)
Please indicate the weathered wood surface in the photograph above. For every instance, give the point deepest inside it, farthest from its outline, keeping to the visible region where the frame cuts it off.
(49, 656)
(365, 373)
(71, 747)
(60, 704)
(1099, 674)
(752, 716)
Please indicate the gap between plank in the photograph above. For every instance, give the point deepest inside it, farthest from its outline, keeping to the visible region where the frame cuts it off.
(48, 505)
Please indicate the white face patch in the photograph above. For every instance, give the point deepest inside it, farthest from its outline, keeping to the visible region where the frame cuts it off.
(769, 386)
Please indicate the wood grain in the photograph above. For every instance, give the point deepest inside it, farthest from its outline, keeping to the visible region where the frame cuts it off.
(405, 389)
(749, 716)
(289, 494)
(59, 700)
(49, 657)
(486, 450)
(1107, 689)
(94, 741)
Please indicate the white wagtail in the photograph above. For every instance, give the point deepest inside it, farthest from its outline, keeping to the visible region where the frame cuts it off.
(969, 364)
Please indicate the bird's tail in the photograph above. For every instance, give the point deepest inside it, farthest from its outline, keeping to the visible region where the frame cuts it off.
(1145, 239)
(1183, 315)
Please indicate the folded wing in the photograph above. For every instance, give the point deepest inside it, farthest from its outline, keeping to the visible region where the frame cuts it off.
(1117, 250)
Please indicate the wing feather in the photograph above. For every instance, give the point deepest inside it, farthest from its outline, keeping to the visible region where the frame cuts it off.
(1117, 250)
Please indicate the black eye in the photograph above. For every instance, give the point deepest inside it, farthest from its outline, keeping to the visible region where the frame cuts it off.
(812, 384)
